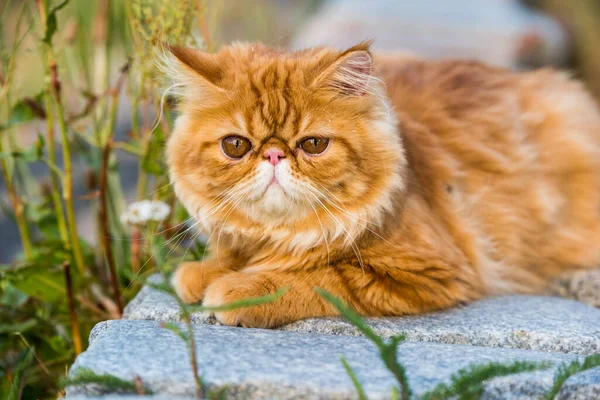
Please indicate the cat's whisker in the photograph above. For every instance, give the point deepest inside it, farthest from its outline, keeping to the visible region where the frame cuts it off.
(356, 221)
(322, 228)
(152, 256)
(348, 235)
(242, 198)
(212, 207)
(341, 205)
(350, 215)
(179, 238)
(232, 199)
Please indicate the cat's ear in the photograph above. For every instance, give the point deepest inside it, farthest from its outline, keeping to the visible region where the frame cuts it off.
(350, 74)
(194, 73)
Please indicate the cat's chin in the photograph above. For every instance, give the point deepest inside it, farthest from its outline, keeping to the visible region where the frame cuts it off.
(275, 200)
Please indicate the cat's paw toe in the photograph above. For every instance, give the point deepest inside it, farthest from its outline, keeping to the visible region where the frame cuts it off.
(236, 287)
(186, 287)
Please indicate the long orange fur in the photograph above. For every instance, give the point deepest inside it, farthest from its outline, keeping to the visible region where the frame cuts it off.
(444, 181)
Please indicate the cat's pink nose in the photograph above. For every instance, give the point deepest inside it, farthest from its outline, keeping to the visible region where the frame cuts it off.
(274, 155)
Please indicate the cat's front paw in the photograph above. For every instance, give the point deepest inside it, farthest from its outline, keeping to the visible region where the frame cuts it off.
(238, 286)
(191, 279)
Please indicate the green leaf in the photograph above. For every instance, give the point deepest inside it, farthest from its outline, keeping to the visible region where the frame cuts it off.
(162, 287)
(387, 351)
(11, 296)
(58, 344)
(176, 330)
(18, 327)
(468, 383)
(89, 154)
(25, 110)
(217, 394)
(15, 387)
(351, 316)
(567, 370)
(83, 376)
(40, 281)
(153, 158)
(234, 305)
(52, 23)
(359, 389)
(32, 154)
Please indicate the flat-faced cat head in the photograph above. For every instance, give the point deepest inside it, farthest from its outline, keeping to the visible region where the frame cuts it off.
(295, 147)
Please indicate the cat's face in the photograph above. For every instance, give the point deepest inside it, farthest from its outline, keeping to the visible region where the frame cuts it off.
(283, 144)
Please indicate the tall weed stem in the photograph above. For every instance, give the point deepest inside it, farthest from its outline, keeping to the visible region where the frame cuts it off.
(68, 171)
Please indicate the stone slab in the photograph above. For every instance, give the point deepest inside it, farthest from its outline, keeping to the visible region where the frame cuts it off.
(583, 386)
(522, 322)
(262, 364)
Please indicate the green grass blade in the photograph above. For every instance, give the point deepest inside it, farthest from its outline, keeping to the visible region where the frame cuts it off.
(83, 376)
(234, 305)
(351, 316)
(567, 370)
(162, 287)
(467, 383)
(15, 386)
(387, 351)
(355, 381)
(18, 326)
(389, 354)
(176, 330)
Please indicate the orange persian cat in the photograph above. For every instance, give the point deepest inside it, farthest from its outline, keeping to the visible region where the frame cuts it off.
(399, 185)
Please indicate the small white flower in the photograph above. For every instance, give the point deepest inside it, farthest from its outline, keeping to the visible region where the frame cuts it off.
(141, 212)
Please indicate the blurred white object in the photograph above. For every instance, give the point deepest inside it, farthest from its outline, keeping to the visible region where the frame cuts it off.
(142, 212)
(501, 32)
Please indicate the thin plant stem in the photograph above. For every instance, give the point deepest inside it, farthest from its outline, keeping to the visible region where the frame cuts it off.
(54, 177)
(192, 348)
(103, 217)
(43, 365)
(17, 206)
(103, 199)
(128, 148)
(15, 199)
(136, 245)
(191, 342)
(68, 178)
(72, 313)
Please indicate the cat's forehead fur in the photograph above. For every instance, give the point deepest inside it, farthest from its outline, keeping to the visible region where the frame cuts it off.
(267, 91)
(254, 60)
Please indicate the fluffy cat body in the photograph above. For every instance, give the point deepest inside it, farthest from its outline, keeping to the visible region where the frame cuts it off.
(442, 181)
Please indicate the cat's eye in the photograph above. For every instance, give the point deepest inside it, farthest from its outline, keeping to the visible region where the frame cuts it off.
(235, 146)
(314, 145)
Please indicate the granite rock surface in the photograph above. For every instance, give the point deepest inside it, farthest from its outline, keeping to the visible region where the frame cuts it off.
(540, 323)
(264, 364)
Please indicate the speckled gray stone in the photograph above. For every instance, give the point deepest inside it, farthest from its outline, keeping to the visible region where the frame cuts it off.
(261, 364)
(151, 304)
(583, 386)
(525, 386)
(522, 322)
